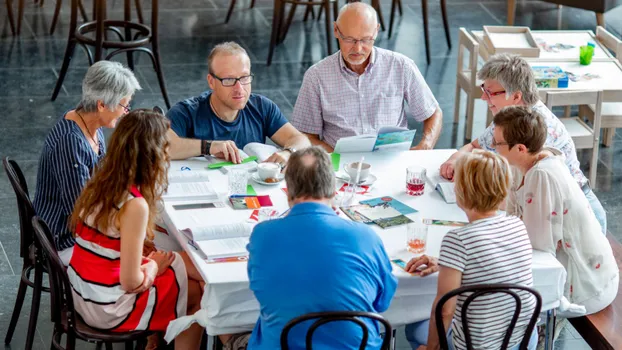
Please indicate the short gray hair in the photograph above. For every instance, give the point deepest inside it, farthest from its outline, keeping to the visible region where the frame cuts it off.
(361, 8)
(309, 174)
(108, 82)
(228, 48)
(514, 74)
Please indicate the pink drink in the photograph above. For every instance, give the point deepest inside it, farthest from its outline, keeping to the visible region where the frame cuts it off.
(415, 187)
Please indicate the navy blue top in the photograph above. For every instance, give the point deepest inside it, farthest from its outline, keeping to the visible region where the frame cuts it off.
(311, 261)
(66, 164)
(194, 118)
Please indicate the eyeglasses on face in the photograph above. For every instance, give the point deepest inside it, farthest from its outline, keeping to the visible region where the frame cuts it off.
(351, 41)
(491, 94)
(127, 108)
(228, 82)
(495, 143)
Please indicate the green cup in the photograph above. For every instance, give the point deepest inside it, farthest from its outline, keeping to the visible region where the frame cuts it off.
(585, 54)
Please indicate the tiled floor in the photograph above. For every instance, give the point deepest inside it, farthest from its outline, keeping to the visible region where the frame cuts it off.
(188, 29)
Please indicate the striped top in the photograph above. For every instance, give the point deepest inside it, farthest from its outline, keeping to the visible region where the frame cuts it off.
(66, 164)
(491, 250)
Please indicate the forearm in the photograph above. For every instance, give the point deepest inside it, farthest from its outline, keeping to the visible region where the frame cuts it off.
(315, 141)
(182, 148)
(298, 142)
(431, 130)
(433, 340)
(132, 280)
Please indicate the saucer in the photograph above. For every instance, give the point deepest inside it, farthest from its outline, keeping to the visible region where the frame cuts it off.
(371, 178)
(258, 180)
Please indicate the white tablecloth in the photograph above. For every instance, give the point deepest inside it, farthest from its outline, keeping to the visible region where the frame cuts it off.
(228, 304)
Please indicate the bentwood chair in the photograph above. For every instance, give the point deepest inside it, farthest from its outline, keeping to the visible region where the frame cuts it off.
(31, 260)
(323, 318)
(64, 316)
(479, 290)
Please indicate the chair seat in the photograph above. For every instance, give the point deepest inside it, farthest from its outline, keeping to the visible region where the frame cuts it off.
(609, 109)
(87, 333)
(576, 127)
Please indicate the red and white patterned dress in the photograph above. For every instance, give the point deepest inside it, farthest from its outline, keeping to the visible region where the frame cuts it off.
(94, 273)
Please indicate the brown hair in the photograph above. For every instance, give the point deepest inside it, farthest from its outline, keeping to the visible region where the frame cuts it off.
(310, 174)
(522, 125)
(137, 155)
(482, 180)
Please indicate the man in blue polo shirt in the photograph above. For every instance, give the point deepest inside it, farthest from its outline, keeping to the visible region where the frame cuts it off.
(228, 117)
(311, 261)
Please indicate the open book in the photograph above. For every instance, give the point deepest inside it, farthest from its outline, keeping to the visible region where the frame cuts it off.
(445, 187)
(189, 186)
(219, 241)
(393, 138)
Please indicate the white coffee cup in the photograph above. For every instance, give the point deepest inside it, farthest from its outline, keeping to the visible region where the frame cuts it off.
(351, 168)
(268, 170)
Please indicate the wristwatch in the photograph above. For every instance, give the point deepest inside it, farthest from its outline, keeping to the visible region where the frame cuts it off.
(291, 150)
(205, 147)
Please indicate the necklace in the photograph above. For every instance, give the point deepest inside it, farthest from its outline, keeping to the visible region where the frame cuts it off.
(215, 112)
(87, 130)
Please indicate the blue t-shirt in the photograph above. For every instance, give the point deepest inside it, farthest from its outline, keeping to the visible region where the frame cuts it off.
(312, 261)
(193, 118)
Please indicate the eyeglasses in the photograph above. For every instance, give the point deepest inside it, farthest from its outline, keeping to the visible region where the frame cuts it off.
(491, 94)
(127, 108)
(228, 82)
(495, 143)
(352, 41)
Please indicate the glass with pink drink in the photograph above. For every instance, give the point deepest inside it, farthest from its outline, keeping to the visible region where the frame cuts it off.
(415, 180)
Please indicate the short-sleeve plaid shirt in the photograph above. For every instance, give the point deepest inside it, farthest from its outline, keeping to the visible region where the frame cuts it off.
(335, 102)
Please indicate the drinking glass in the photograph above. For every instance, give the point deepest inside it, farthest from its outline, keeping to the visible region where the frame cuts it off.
(415, 180)
(238, 179)
(416, 237)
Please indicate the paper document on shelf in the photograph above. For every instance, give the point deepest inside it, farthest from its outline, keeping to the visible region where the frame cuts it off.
(353, 144)
(224, 247)
(445, 187)
(190, 191)
(187, 176)
(216, 232)
(259, 150)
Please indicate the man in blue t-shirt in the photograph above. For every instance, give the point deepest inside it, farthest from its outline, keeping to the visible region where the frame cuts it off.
(228, 117)
(312, 261)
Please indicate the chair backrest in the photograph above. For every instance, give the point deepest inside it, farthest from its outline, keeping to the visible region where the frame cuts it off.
(468, 43)
(479, 290)
(159, 109)
(24, 205)
(60, 288)
(323, 318)
(577, 97)
(610, 41)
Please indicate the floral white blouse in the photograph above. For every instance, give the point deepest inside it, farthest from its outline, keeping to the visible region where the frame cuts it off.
(559, 220)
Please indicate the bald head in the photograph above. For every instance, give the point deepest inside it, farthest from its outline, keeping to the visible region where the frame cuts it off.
(357, 13)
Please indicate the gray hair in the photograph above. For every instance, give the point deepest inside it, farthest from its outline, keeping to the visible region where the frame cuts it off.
(108, 82)
(361, 8)
(514, 74)
(309, 174)
(227, 48)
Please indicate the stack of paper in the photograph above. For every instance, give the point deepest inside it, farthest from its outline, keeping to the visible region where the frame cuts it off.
(220, 240)
(190, 191)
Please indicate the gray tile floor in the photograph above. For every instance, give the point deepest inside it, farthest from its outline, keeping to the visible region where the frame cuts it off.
(29, 66)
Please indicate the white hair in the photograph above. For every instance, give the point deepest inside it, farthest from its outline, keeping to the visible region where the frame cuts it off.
(362, 9)
(108, 82)
(514, 74)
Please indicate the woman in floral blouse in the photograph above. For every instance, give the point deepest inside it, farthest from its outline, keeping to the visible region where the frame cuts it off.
(557, 215)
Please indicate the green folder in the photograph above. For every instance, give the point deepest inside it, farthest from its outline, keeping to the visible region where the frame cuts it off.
(222, 164)
(335, 158)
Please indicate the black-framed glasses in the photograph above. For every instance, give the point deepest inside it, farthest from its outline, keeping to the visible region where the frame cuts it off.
(351, 41)
(127, 108)
(491, 94)
(228, 82)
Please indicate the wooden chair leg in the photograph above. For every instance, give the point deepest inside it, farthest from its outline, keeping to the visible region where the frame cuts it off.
(329, 28)
(399, 7)
(376, 5)
(288, 23)
(457, 104)
(252, 3)
(308, 12)
(34, 308)
(446, 22)
(71, 45)
(469, 121)
(59, 3)
(276, 26)
(392, 16)
(511, 11)
(600, 19)
(608, 135)
(127, 16)
(139, 11)
(426, 32)
(9, 10)
(230, 11)
(20, 15)
(17, 309)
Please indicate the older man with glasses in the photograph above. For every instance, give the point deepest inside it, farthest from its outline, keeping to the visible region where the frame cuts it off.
(228, 117)
(508, 81)
(362, 88)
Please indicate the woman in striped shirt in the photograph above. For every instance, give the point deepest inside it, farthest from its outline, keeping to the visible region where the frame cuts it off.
(114, 286)
(75, 145)
(492, 248)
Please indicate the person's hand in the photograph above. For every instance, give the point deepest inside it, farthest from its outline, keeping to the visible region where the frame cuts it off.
(148, 248)
(162, 259)
(280, 158)
(150, 271)
(226, 150)
(422, 146)
(447, 169)
(431, 265)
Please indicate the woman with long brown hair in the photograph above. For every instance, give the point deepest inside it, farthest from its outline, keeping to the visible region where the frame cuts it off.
(115, 287)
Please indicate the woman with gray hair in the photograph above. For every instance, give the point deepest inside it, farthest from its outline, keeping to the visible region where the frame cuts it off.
(508, 81)
(75, 145)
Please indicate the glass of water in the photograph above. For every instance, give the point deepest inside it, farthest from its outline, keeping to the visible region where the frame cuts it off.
(238, 179)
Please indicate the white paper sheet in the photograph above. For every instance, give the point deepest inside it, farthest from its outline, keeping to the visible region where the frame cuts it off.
(224, 247)
(190, 190)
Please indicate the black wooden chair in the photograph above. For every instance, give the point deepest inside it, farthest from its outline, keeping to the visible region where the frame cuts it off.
(136, 37)
(334, 316)
(31, 259)
(479, 290)
(64, 316)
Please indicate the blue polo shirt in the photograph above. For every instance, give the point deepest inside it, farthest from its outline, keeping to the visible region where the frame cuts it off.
(193, 118)
(311, 261)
